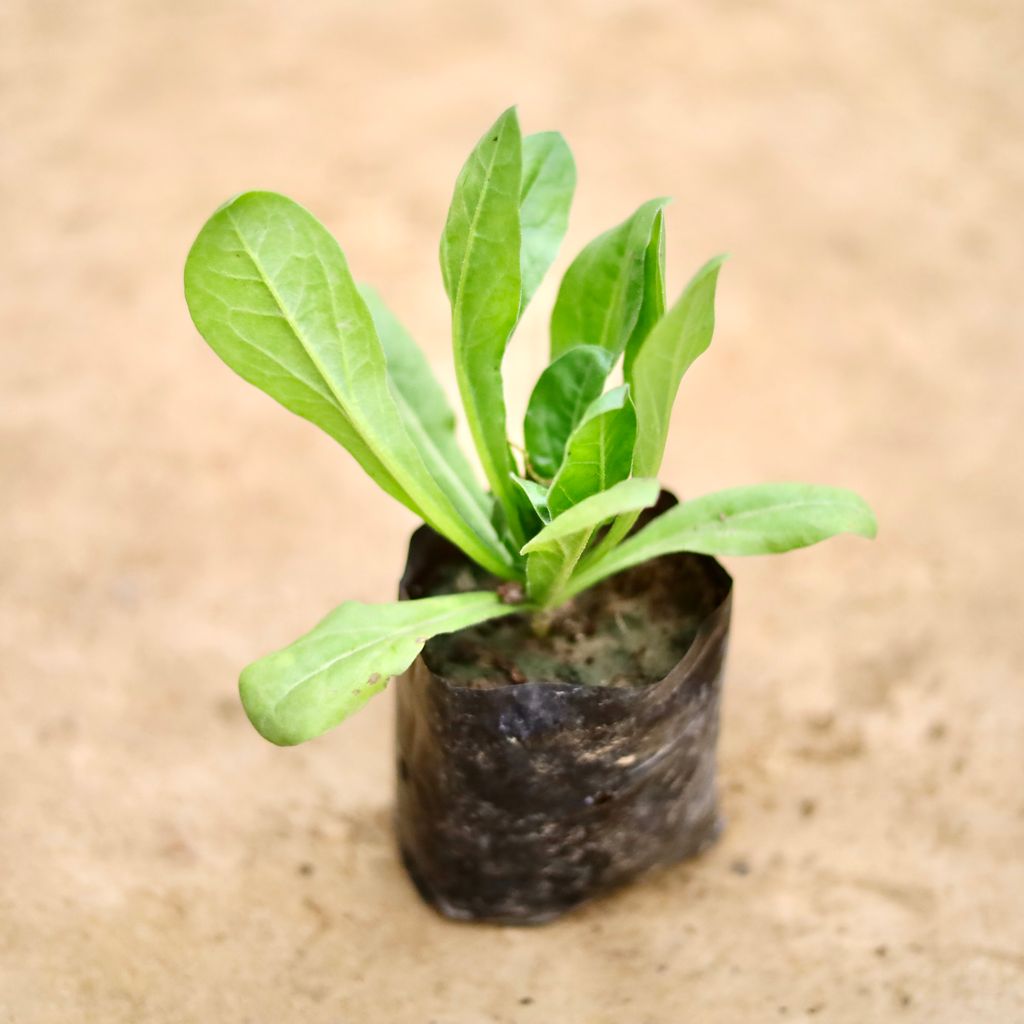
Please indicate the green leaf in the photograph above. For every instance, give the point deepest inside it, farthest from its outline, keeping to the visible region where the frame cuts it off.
(558, 402)
(549, 568)
(657, 370)
(537, 495)
(601, 294)
(552, 555)
(480, 254)
(599, 453)
(631, 495)
(678, 338)
(417, 387)
(233, 307)
(757, 520)
(270, 291)
(652, 303)
(429, 418)
(310, 686)
(549, 180)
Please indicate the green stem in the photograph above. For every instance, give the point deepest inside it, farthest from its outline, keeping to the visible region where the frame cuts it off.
(611, 540)
(554, 593)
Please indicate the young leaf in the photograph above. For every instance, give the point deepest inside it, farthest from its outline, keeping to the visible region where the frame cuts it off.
(652, 303)
(600, 297)
(632, 495)
(270, 291)
(558, 402)
(537, 495)
(758, 520)
(310, 686)
(549, 180)
(599, 453)
(681, 335)
(552, 555)
(480, 254)
(657, 370)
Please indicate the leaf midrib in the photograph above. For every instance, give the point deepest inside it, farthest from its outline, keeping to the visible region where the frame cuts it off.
(624, 268)
(287, 317)
(731, 517)
(398, 472)
(391, 635)
(474, 220)
(494, 462)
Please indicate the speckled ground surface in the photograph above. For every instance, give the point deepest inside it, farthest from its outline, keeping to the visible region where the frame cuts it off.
(162, 523)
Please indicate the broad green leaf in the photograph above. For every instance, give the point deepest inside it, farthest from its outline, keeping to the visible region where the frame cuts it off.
(758, 520)
(675, 341)
(652, 303)
(601, 294)
(558, 402)
(310, 686)
(270, 291)
(599, 453)
(480, 253)
(631, 495)
(537, 495)
(549, 180)
(234, 308)
(552, 555)
(429, 419)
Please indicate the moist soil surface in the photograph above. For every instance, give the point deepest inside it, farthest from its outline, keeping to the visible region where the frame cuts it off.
(629, 630)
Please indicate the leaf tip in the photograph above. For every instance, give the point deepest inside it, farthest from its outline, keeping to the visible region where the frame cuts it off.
(529, 546)
(869, 526)
(508, 115)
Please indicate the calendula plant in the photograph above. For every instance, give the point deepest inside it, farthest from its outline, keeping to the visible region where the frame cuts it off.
(269, 289)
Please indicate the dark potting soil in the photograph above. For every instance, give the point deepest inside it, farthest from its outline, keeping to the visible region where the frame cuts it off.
(631, 629)
(535, 772)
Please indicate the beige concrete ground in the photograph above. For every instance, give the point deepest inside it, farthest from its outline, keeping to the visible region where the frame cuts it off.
(162, 523)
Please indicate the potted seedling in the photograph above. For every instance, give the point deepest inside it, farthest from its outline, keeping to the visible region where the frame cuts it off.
(560, 635)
